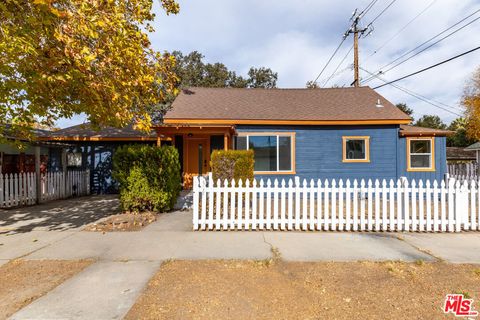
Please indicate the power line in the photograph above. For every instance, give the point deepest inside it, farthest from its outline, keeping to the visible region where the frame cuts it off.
(328, 62)
(430, 67)
(401, 29)
(370, 5)
(426, 48)
(338, 66)
(417, 95)
(422, 44)
(382, 12)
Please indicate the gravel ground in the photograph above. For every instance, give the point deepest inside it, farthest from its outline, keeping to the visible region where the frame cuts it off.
(278, 290)
(22, 281)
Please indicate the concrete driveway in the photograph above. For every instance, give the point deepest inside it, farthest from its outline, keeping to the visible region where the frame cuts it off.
(61, 215)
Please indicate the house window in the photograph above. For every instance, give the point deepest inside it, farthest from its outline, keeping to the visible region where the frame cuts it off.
(420, 154)
(273, 152)
(356, 149)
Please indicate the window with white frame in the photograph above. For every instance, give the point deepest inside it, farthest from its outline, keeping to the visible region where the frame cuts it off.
(420, 154)
(273, 153)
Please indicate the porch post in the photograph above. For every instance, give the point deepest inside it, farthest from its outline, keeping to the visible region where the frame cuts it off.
(64, 169)
(225, 142)
(38, 176)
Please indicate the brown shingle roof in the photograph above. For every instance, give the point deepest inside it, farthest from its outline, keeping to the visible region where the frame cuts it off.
(86, 131)
(332, 104)
(456, 153)
(407, 130)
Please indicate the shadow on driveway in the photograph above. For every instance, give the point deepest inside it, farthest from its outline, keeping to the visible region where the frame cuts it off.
(58, 215)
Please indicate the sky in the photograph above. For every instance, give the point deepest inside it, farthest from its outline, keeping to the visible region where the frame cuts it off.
(296, 39)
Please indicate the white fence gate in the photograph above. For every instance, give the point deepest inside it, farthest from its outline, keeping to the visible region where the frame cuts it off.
(21, 188)
(336, 205)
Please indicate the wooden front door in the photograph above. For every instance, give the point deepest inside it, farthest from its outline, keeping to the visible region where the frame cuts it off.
(197, 156)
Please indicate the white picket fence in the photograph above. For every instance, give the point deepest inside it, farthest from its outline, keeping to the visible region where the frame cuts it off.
(336, 205)
(463, 171)
(20, 189)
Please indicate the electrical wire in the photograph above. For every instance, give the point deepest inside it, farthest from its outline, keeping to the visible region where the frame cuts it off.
(401, 30)
(364, 11)
(426, 48)
(328, 62)
(424, 43)
(430, 67)
(415, 95)
(338, 66)
(382, 12)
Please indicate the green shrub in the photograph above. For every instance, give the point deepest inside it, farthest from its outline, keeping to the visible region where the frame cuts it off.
(140, 196)
(232, 164)
(149, 177)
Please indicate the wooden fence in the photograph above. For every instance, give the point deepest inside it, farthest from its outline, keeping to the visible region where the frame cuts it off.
(463, 170)
(20, 189)
(336, 205)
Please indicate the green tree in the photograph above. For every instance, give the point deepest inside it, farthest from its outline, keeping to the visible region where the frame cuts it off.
(64, 57)
(405, 109)
(262, 78)
(430, 121)
(311, 85)
(194, 72)
(459, 138)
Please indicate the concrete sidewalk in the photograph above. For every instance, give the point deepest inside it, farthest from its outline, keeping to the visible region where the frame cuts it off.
(105, 290)
(171, 238)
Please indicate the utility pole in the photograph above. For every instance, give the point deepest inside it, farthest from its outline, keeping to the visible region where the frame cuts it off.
(355, 30)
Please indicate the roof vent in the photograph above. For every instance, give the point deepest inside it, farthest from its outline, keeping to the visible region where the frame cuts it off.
(379, 104)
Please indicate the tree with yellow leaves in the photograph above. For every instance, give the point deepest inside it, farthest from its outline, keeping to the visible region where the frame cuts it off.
(471, 101)
(59, 58)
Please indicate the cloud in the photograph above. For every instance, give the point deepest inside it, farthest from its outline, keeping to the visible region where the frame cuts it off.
(296, 38)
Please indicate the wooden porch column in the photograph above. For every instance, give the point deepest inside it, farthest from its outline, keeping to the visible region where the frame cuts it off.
(225, 142)
(38, 175)
(64, 169)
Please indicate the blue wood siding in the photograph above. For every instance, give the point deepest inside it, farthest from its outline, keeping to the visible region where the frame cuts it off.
(319, 153)
(440, 161)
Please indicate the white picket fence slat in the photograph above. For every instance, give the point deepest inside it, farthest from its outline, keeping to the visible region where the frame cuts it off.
(401, 205)
(20, 189)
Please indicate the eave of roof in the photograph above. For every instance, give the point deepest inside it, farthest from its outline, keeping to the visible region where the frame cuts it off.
(475, 146)
(285, 122)
(414, 131)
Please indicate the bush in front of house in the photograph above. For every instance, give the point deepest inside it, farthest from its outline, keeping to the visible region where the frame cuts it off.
(232, 164)
(148, 176)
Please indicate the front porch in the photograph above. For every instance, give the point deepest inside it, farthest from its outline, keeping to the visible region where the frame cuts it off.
(195, 144)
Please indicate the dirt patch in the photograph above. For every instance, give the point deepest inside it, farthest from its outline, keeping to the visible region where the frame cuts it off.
(127, 221)
(24, 281)
(280, 290)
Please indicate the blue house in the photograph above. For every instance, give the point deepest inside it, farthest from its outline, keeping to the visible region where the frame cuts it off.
(336, 133)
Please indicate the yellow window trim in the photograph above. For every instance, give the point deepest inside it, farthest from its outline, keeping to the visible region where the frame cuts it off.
(432, 159)
(272, 133)
(367, 149)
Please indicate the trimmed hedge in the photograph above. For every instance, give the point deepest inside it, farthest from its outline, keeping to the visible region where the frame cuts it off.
(232, 164)
(149, 177)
